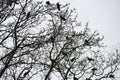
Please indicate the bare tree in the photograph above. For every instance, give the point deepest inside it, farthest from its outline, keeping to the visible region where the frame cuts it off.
(39, 40)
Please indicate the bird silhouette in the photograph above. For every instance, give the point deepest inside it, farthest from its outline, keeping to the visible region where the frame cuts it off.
(26, 73)
(111, 76)
(15, 1)
(67, 38)
(88, 79)
(28, 15)
(65, 54)
(74, 49)
(24, 12)
(62, 18)
(90, 59)
(52, 39)
(86, 42)
(48, 2)
(75, 78)
(94, 69)
(58, 6)
(72, 59)
(9, 2)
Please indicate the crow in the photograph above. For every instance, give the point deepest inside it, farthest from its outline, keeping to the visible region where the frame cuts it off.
(62, 18)
(9, 2)
(52, 39)
(24, 12)
(72, 59)
(111, 76)
(90, 59)
(48, 3)
(74, 49)
(58, 6)
(28, 15)
(26, 73)
(86, 42)
(67, 38)
(15, 1)
(65, 54)
(94, 69)
(88, 79)
(75, 78)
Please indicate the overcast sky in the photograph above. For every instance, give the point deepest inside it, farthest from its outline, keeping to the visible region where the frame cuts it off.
(103, 16)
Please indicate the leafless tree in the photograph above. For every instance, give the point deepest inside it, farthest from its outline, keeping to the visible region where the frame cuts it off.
(39, 41)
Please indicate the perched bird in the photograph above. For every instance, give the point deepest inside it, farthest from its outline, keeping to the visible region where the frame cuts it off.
(65, 54)
(52, 39)
(75, 78)
(28, 15)
(58, 6)
(67, 38)
(62, 18)
(26, 73)
(90, 59)
(86, 42)
(111, 76)
(88, 79)
(15, 1)
(9, 2)
(24, 12)
(72, 59)
(48, 2)
(74, 49)
(94, 69)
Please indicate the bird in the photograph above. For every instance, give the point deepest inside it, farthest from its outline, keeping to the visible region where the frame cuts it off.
(9, 2)
(75, 78)
(72, 59)
(94, 69)
(62, 18)
(111, 76)
(26, 73)
(65, 54)
(88, 79)
(90, 59)
(52, 39)
(67, 38)
(58, 6)
(73, 48)
(28, 15)
(24, 12)
(86, 42)
(48, 3)
(15, 1)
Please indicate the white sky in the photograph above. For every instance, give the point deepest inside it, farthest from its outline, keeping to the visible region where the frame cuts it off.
(103, 16)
